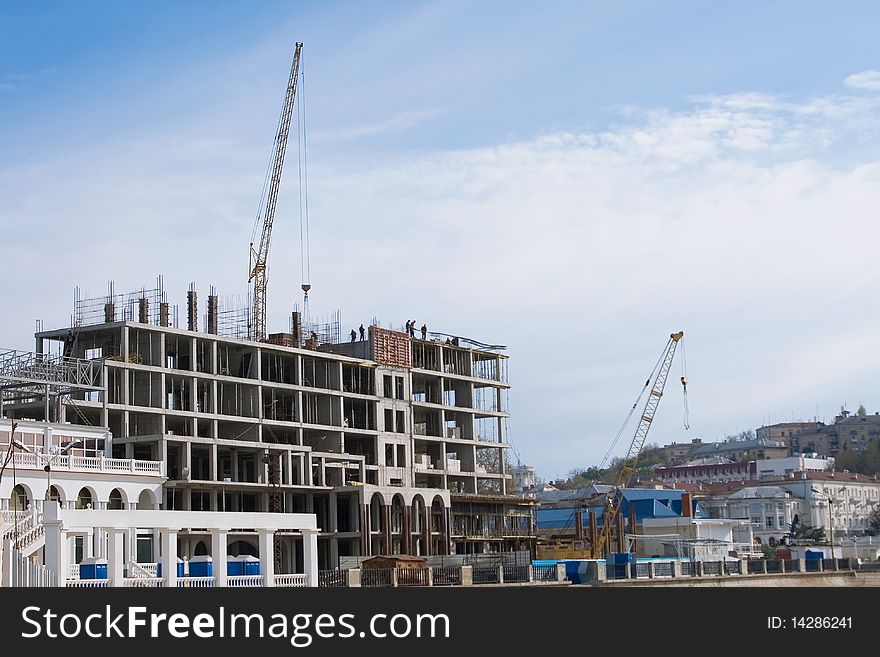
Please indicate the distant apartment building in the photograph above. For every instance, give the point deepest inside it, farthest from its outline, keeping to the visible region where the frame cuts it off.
(786, 432)
(677, 453)
(719, 470)
(849, 432)
(742, 450)
(839, 500)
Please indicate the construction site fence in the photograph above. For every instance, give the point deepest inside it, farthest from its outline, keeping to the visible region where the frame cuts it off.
(443, 576)
(729, 567)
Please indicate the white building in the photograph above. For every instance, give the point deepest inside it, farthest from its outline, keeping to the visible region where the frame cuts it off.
(700, 539)
(80, 477)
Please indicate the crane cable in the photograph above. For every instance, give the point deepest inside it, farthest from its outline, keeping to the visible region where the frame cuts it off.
(633, 409)
(620, 431)
(684, 388)
(305, 257)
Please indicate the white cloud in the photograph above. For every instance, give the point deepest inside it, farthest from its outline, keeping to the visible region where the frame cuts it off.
(869, 80)
(581, 250)
(399, 123)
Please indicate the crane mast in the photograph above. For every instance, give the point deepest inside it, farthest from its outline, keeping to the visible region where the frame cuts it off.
(259, 257)
(628, 467)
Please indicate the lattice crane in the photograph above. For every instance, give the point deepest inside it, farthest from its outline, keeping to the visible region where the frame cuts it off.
(259, 257)
(628, 467)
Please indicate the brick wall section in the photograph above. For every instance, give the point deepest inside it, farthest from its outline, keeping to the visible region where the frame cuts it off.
(390, 347)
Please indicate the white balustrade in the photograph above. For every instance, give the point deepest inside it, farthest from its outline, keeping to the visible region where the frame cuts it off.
(297, 580)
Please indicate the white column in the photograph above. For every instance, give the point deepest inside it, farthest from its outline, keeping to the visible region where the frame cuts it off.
(218, 556)
(56, 553)
(115, 566)
(169, 557)
(310, 556)
(267, 556)
(88, 543)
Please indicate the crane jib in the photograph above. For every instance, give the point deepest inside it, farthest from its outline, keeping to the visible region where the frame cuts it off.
(613, 503)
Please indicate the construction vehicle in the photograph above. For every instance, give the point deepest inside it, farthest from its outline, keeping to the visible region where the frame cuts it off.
(628, 467)
(259, 257)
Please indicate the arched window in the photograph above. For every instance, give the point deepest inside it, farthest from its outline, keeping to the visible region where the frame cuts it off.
(18, 500)
(54, 495)
(115, 501)
(84, 499)
(240, 548)
(201, 550)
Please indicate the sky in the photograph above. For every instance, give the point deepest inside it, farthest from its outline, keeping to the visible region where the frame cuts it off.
(574, 180)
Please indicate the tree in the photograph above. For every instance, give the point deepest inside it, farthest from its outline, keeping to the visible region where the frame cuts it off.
(864, 461)
(874, 523)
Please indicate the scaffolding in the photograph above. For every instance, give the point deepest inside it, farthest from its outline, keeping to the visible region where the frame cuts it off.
(325, 329)
(147, 306)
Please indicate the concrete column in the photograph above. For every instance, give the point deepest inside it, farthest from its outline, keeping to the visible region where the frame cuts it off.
(55, 546)
(218, 556)
(215, 469)
(169, 557)
(115, 557)
(131, 538)
(353, 577)
(698, 568)
(88, 542)
(467, 575)
(6, 561)
(310, 556)
(650, 570)
(386, 535)
(676, 569)
(267, 556)
(599, 572)
(406, 532)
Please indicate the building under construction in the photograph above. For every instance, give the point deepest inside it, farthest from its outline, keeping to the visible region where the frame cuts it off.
(395, 442)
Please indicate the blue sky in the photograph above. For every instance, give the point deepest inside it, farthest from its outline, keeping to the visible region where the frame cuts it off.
(573, 179)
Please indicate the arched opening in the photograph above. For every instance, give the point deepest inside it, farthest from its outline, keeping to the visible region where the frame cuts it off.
(377, 518)
(239, 548)
(397, 514)
(146, 501)
(54, 495)
(201, 550)
(84, 499)
(116, 500)
(18, 499)
(418, 525)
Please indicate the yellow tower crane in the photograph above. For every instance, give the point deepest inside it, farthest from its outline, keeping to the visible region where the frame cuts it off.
(628, 466)
(259, 257)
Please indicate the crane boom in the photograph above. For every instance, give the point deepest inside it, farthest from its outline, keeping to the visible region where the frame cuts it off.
(259, 257)
(628, 467)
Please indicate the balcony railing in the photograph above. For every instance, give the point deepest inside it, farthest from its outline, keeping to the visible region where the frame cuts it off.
(28, 461)
(293, 580)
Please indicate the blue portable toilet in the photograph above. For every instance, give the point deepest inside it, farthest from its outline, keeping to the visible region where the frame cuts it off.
(234, 566)
(180, 570)
(250, 564)
(201, 566)
(92, 568)
(244, 564)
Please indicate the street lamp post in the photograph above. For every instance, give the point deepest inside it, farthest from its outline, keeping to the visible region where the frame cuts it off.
(831, 522)
(48, 461)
